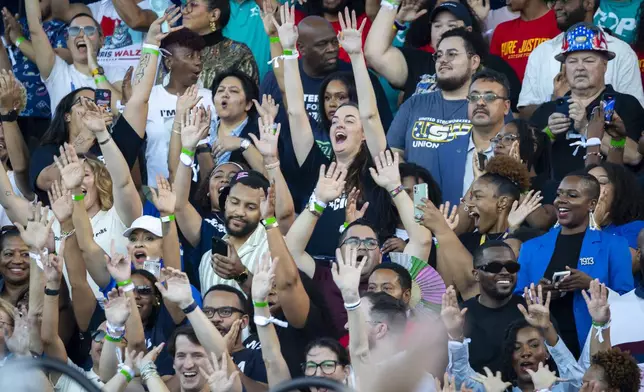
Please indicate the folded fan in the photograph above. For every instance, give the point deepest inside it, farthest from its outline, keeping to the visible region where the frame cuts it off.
(427, 285)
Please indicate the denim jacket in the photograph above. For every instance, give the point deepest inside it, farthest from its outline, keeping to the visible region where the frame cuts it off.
(569, 369)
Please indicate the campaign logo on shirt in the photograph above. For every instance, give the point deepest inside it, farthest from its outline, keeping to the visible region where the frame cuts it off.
(624, 27)
(427, 84)
(431, 132)
(586, 261)
(311, 105)
(510, 49)
(121, 42)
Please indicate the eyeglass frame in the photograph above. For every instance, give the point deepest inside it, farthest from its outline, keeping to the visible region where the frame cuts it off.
(83, 28)
(504, 266)
(475, 98)
(319, 365)
(208, 309)
(451, 56)
(361, 241)
(510, 137)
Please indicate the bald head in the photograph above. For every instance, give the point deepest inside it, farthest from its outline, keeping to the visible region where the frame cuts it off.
(318, 45)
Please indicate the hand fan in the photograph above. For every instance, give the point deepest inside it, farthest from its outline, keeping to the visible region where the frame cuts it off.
(427, 285)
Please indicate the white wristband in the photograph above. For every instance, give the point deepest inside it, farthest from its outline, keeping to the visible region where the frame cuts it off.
(389, 5)
(128, 287)
(600, 329)
(264, 321)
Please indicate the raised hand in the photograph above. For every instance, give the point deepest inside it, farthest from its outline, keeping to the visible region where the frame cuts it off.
(387, 171)
(36, 233)
(269, 134)
(410, 10)
(142, 359)
(92, 61)
(453, 316)
(515, 152)
(94, 116)
(126, 86)
(597, 302)
(12, 94)
(13, 29)
(596, 124)
(155, 36)
(602, 209)
(233, 334)
(538, 312)
(217, 375)
(119, 266)
(480, 7)
(491, 382)
(616, 128)
(267, 203)
(191, 130)
(287, 31)
(436, 220)
(70, 167)
(521, 210)
(164, 198)
(560, 84)
(117, 307)
(268, 107)
(18, 342)
(187, 101)
(175, 287)
(393, 244)
(543, 378)
(267, 13)
(451, 218)
(347, 273)
(351, 211)
(53, 266)
(330, 185)
(263, 278)
(350, 36)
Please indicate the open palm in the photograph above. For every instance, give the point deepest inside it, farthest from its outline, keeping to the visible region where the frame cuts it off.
(521, 210)
(597, 302)
(70, 167)
(287, 31)
(350, 37)
(538, 312)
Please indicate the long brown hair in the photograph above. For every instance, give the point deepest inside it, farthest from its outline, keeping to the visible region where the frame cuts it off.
(102, 181)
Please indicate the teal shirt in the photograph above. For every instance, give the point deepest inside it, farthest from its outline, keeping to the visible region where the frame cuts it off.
(246, 26)
(620, 17)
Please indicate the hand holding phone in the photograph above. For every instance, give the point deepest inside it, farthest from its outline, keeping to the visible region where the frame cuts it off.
(608, 104)
(557, 277)
(420, 193)
(103, 99)
(219, 247)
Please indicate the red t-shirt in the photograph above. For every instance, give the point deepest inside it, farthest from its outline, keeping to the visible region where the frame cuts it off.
(640, 61)
(514, 40)
(336, 26)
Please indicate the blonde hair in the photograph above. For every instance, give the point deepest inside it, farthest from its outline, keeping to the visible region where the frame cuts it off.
(103, 182)
(7, 308)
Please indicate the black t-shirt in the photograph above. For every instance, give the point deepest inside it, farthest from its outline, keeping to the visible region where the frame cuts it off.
(563, 160)
(123, 134)
(471, 241)
(326, 234)
(566, 254)
(251, 363)
(420, 63)
(547, 187)
(486, 327)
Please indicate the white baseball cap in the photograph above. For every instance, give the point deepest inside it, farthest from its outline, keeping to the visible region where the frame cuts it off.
(148, 223)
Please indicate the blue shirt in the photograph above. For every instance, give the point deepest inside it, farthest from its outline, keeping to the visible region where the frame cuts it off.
(38, 103)
(603, 256)
(629, 231)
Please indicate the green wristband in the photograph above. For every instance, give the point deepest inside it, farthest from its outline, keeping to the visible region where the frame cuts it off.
(127, 375)
(113, 340)
(260, 304)
(269, 221)
(124, 283)
(548, 132)
(288, 52)
(618, 143)
(274, 39)
(150, 51)
(100, 78)
(19, 41)
(78, 197)
(318, 208)
(598, 325)
(189, 153)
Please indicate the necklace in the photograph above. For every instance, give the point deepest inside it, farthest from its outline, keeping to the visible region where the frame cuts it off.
(484, 237)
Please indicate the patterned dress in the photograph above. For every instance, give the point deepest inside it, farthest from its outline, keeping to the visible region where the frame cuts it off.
(222, 54)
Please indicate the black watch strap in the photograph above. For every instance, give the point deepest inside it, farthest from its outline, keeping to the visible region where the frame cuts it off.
(9, 117)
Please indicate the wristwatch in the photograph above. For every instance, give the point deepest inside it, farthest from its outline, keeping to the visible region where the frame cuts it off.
(245, 143)
(98, 71)
(241, 278)
(9, 117)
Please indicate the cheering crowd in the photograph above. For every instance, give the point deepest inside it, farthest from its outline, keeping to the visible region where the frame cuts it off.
(395, 195)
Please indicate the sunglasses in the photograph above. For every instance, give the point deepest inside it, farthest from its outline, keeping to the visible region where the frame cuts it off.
(74, 31)
(495, 267)
(143, 290)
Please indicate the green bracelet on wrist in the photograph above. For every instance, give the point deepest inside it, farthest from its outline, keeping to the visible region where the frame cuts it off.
(124, 283)
(78, 197)
(113, 340)
(274, 39)
(186, 151)
(100, 78)
(260, 304)
(19, 41)
(618, 143)
(548, 132)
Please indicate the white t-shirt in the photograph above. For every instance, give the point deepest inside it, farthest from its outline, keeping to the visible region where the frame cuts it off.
(122, 47)
(63, 79)
(622, 73)
(67, 384)
(4, 219)
(161, 112)
(107, 226)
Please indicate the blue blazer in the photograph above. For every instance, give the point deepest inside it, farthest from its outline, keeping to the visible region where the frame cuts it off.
(603, 256)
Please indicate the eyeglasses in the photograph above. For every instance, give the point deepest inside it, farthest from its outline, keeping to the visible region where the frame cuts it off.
(506, 139)
(223, 312)
(328, 367)
(74, 31)
(449, 56)
(369, 243)
(487, 97)
(495, 267)
(143, 290)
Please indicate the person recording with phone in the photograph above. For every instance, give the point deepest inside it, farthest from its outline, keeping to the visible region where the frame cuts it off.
(577, 252)
(565, 119)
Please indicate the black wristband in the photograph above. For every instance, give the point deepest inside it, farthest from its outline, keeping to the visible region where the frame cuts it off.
(190, 308)
(51, 292)
(9, 117)
(202, 149)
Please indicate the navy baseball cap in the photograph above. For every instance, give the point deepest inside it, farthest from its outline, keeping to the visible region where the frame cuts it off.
(250, 178)
(455, 8)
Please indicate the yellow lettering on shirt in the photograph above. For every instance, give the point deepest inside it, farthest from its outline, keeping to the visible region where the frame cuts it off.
(439, 133)
(508, 48)
(529, 44)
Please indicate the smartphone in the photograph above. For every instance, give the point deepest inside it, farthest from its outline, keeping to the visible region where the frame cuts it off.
(420, 193)
(608, 104)
(558, 276)
(562, 106)
(219, 246)
(103, 98)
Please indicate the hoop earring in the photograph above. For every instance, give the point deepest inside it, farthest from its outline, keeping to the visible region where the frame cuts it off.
(591, 221)
(213, 26)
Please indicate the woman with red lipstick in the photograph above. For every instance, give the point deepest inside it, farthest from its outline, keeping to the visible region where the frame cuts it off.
(575, 248)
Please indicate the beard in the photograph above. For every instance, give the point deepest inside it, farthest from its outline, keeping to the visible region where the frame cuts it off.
(248, 228)
(452, 83)
(572, 18)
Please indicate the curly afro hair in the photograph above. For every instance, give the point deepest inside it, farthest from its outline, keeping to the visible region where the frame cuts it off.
(509, 175)
(620, 369)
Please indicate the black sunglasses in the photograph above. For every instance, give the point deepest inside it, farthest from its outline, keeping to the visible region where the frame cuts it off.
(143, 290)
(495, 267)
